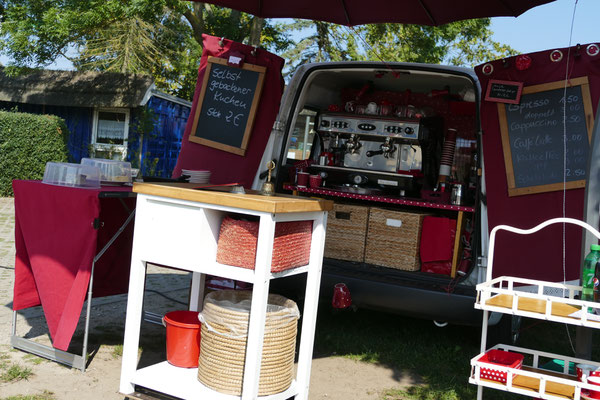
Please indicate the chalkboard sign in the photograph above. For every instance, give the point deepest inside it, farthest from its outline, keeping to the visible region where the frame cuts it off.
(504, 91)
(227, 105)
(533, 137)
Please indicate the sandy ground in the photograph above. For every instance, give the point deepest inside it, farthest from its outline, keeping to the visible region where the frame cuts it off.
(333, 378)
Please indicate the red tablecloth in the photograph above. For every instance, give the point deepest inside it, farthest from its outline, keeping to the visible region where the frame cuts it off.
(58, 232)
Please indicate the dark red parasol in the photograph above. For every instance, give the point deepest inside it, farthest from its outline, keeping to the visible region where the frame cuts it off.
(358, 12)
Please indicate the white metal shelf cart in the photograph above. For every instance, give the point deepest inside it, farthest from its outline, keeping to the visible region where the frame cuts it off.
(502, 295)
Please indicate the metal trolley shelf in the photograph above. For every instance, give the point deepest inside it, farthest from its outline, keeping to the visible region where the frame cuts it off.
(531, 379)
(547, 301)
(502, 295)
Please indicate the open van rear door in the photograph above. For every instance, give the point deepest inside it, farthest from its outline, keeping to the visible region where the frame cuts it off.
(524, 144)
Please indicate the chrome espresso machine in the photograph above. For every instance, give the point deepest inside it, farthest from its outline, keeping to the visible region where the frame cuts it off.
(369, 154)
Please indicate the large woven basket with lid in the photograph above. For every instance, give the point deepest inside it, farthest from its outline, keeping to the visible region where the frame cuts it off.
(224, 336)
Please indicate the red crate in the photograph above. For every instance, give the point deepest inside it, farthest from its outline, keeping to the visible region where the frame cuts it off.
(501, 358)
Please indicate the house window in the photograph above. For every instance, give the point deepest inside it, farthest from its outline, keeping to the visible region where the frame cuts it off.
(111, 129)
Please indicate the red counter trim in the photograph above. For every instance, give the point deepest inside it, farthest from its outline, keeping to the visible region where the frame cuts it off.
(382, 199)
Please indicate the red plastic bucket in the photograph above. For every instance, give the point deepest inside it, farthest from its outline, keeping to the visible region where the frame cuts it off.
(183, 338)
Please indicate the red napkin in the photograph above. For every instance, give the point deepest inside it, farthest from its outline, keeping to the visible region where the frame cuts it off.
(437, 239)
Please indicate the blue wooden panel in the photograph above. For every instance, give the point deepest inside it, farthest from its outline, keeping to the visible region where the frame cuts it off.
(78, 120)
(164, 143)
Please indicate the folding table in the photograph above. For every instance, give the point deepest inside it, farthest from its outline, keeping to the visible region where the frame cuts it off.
(70, 242)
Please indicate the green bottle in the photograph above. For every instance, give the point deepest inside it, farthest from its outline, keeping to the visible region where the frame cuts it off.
(589, 272)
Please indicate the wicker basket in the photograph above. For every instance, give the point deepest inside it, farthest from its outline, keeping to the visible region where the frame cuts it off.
(393, 239)
(238, 239)
(346, 232)
(224, 335)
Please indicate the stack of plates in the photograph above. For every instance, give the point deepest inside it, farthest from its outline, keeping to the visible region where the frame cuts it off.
(200, 176)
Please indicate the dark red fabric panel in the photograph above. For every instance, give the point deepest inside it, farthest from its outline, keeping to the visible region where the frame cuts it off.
(25, 292)
(55, 245)
(227, 167)
(537, 256)
(111, 273)
(436, 239)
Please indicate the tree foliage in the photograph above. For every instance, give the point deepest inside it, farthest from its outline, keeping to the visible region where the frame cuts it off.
(158, 37)
(464, 43)
(27, 143)
(163, 38)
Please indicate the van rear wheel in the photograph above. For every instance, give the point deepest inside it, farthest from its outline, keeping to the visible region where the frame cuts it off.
(506, 331)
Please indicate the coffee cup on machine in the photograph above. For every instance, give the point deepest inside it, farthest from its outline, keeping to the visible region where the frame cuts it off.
(315, 181)
(456, 195)
(302, 179)
(372, 108)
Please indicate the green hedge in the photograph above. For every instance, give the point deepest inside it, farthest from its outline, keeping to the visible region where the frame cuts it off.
(27, 142)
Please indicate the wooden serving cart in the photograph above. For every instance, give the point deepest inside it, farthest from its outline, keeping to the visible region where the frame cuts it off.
(177, 226)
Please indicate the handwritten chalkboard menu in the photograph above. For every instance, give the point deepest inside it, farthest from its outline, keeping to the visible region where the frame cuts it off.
(504, 91)
(533, 137)
(227, 105)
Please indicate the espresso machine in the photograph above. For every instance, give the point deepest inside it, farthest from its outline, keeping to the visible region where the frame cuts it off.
(369, 154)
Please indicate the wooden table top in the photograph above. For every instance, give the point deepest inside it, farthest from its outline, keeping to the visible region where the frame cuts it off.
(251, 200)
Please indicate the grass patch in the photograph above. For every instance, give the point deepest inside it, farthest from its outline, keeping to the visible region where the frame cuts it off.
(419, 393)
(46, 395)
(15, 373)
(4, 360)
(35, 360)
(117, 351)
(439, 356)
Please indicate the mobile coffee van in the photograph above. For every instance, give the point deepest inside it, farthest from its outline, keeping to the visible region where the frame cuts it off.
(423, 160)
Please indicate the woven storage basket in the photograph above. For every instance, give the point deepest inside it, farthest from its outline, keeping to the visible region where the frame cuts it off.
(224, 336)
(346, 232)
(238, 239)
(393, 239)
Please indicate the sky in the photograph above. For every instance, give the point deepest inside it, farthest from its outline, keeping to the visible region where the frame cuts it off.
(541, 28)
(549, 26)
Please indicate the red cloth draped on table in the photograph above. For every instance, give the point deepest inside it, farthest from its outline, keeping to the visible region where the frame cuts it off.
(227, 167)
(56, 243)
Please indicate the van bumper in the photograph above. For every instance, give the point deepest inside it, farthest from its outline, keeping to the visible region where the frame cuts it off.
(413, 294)
(407, 299)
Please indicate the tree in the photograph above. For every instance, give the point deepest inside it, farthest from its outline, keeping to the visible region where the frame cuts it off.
(163, 38)
(463, 43)
(158, 37)
(324, 42)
